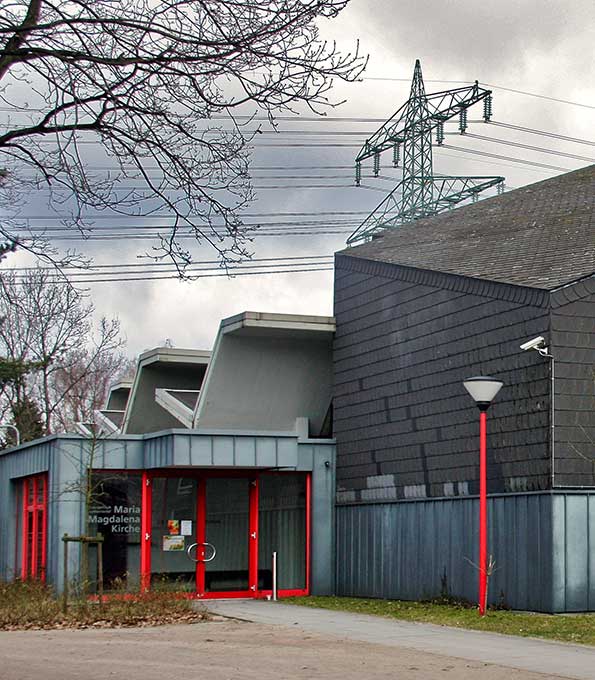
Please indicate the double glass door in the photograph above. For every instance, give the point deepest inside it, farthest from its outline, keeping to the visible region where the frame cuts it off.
(201, 534)
(214, 535)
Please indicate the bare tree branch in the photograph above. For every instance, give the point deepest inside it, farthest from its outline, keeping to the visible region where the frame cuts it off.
(141, 81)
(47, 323)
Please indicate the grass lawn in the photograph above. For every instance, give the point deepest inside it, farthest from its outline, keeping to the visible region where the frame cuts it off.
(578, 628)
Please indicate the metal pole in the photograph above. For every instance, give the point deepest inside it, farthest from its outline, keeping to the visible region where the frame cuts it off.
(274, 577)
(483, 512)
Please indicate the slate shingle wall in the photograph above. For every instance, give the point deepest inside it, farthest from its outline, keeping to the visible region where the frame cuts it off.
(405, 341)
(573, 348)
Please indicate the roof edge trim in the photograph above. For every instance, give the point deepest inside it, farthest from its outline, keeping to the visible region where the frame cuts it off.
(535, 297)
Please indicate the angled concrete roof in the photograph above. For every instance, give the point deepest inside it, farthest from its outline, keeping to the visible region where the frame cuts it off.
(118, 395)
(541, 236)
(267, 371)
(162, 368)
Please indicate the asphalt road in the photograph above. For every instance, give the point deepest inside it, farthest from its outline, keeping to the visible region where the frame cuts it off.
(230, 650)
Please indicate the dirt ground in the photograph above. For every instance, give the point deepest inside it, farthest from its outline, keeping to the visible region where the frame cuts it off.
(223, 650)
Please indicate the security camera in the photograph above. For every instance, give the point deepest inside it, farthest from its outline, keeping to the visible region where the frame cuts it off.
(536, 343)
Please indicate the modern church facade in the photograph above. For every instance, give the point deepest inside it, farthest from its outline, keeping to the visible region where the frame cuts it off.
(348, 445)
(202, 504)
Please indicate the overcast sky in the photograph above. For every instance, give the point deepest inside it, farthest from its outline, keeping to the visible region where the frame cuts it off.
(535, 46)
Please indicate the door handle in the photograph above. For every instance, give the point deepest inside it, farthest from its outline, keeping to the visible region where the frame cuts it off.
(203, 558)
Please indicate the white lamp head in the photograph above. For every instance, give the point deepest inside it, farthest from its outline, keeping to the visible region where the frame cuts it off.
(482, 389)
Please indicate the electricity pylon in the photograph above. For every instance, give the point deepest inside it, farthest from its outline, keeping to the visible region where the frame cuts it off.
(421, 193)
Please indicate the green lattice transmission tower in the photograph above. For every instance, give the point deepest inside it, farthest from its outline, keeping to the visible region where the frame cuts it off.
(421, 193)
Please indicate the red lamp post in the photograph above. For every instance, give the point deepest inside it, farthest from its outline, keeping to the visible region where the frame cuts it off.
(483, 389)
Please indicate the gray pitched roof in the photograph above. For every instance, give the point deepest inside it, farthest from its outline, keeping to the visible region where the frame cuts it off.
(541, 236)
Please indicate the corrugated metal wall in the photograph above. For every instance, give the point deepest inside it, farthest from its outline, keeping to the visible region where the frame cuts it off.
(574, 551)
(423, 549)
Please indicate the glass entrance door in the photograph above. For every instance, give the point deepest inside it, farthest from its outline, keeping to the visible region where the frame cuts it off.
(201, 537)
(227, 535)
(214, 535)
(173, 531)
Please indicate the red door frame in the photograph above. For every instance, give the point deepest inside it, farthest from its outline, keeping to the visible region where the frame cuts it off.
(34, 513)
(201, 513)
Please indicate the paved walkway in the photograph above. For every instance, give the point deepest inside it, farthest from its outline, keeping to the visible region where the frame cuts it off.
(541, 656)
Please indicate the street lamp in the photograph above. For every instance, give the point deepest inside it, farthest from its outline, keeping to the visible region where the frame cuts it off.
(483, 389)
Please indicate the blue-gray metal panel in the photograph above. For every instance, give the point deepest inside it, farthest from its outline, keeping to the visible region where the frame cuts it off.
(574, 553)
(223, 451)
(159, 451)
(558, 553)
(287, 452)
(431, 549)
(577, 555)
(266, 452)
(305, 456)
(202, 450)
(245, 452)
(182, 450)
(591, 552)
(323, 521)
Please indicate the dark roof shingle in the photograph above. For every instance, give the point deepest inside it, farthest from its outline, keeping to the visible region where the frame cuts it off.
(541, 236)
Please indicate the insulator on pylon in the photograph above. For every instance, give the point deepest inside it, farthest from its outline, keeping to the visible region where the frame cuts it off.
(463, 121)
(376, 163)
(487, 108)
(500, 188)
(440, 132)
(474, 197)
(358, 173)
(396, 154)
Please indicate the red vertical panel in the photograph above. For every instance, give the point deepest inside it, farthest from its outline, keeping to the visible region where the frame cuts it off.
(308, 528)
(145, 528)
(253, 538)
(44, 527)
(25, 530)
(34, 531)
(201, 535)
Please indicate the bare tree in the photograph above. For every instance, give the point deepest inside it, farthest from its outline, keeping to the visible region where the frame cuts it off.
(46, 323)
(85, 384)
(157, 84)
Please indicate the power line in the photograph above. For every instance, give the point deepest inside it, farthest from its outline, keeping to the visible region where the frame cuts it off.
(540, 96)
(532, 131)
(528, 147)
(506, 158)
(168, 269)
(144, 264)
(203, 276)
(316, 213)
(494, 87)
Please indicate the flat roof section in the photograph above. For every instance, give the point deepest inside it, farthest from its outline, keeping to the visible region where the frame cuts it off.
(175, 355)
(276, 325)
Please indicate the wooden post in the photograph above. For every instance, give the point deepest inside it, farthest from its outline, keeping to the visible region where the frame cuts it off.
(65, 589)
(84, 541)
